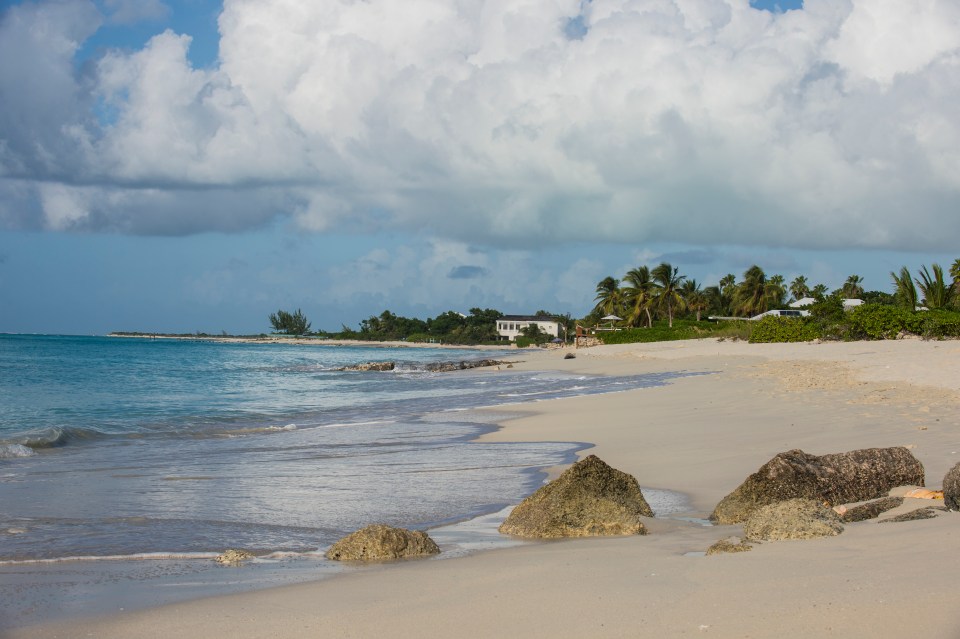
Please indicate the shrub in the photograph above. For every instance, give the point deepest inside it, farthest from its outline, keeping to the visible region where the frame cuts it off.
(936, 324)
(523, 342)
(882, 322)
(783, 329)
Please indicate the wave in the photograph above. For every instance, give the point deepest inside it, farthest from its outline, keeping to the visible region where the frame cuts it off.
(10, 451)
(52, 437)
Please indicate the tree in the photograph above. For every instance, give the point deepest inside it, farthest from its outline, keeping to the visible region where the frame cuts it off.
(775, 291)
(289, 324)
(853, 287)
(609, 297)
(667, 292)
(638, 295)
(955, 274)
(819, 291)
(905, 292)
(936, 292)
(695, 299)
(751, 297)
(799, 288)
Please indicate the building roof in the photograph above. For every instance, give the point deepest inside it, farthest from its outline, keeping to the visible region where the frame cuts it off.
(527, 318)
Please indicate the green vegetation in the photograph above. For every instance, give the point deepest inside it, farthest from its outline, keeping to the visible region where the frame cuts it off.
(290, 323)
(660, 303)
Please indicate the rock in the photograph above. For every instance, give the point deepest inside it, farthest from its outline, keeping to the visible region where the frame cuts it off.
(589, 499)
(382, 542)
(870, 510)
(370, 366)
(232, 557)
(731, 544)
(792, 519)
(951, 488)
(928, 512)
(445, 367)
(840, 478)
(569, 356)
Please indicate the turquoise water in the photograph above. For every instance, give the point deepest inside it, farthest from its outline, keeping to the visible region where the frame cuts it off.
(140, 448)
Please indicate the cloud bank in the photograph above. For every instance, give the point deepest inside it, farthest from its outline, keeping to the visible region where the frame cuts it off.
(497, 123)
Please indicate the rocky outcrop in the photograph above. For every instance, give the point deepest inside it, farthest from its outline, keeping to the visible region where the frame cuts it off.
(929, 512)
(839, 478)
(732, 544)
(951, 488)
(370, 366)
(233, 557)
(378, 542)
(589, 499)
(869, 510)
(792, 519)
(445, 367)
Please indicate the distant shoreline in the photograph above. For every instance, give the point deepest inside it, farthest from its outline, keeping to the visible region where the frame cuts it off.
(310, 341)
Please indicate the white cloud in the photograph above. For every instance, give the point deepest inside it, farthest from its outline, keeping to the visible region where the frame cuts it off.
(695, 121)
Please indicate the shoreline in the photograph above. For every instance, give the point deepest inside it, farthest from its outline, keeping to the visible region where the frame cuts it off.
(699, 436)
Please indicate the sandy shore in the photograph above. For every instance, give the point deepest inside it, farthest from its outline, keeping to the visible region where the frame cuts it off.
(701, 435)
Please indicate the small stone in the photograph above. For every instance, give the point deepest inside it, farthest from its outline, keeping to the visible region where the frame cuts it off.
(729, 545)
(233, 557)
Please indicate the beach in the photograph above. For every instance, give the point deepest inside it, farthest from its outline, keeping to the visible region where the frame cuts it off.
(699, 435)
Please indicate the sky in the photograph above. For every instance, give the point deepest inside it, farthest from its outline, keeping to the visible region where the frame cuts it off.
(194, 165)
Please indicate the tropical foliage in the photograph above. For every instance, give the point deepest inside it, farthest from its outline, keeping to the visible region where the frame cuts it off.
(289, 323)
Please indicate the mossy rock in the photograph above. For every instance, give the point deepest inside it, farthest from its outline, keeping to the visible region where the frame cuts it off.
(380, 542)
(951, 488)
(589, 499)
(840, 478)
(792, 519)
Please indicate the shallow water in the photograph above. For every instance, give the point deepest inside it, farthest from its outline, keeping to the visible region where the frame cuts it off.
(153, 448)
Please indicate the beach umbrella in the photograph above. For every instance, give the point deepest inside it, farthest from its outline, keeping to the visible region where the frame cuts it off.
(611, 318)
(557, 340)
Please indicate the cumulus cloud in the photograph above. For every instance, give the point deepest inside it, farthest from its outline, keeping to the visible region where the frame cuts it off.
(511, 124)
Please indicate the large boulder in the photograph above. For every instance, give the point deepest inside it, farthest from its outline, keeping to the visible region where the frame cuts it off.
(378, 542)
(792, 519)
(951, 488)
(840, 478)
(589, 499)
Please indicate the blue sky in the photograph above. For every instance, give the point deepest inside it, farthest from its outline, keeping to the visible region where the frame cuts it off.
(189, 165)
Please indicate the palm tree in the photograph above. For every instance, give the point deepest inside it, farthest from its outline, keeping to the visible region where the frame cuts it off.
(667, 293)
(936, 293)
(728, 285)
(716, 300)
(853, 287)
(775, 291)
(695, 299)
(906, 292)
(955, 274)
(751, 295)
(609, 297)
(819, 291)
(638, 295)
(799, 288)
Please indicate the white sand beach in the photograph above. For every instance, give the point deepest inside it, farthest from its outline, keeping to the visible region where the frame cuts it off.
(702, 436)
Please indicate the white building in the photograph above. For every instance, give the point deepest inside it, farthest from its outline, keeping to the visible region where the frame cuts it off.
(509, 326)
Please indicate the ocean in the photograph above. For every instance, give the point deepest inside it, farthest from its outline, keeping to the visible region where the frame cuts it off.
(126, 464)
